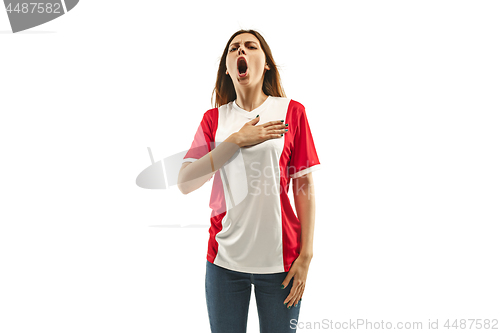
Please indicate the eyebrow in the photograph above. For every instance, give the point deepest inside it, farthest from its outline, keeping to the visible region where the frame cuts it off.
(248, 41)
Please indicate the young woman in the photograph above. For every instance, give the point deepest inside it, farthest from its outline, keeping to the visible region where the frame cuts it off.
(254, 141)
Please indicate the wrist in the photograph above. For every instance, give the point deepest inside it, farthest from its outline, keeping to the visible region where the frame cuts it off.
(306, 255)
(234, 138)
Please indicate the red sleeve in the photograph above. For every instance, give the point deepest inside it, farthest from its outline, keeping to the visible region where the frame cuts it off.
(304, 158)
(203, 141)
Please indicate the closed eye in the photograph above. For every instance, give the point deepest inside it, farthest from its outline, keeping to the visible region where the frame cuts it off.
(235, 48)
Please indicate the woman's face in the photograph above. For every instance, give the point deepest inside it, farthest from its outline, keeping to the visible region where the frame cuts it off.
(249, 70)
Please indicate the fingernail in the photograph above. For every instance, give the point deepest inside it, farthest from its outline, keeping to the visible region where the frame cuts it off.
(281, 134)
(282, 121)
(286, 124)
(290, 307)
(257, 116)
(282, 286)
(295, 305)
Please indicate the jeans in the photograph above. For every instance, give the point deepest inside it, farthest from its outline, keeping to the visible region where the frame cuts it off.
(228, 298)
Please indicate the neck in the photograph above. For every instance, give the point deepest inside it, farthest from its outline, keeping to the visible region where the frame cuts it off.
(250, 98)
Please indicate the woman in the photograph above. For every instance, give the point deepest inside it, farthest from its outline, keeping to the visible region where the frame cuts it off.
(254, 141)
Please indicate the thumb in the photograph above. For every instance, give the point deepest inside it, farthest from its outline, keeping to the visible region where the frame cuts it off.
(285, 282)
(254, 121)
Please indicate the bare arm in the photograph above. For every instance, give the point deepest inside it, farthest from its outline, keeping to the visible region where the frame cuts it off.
(305, 205)
(303, 192)
(194, 174)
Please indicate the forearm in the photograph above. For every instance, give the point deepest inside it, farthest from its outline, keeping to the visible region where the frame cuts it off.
(305, 205)
(199, 172)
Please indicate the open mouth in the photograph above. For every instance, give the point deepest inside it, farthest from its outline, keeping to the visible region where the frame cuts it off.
(242, 66)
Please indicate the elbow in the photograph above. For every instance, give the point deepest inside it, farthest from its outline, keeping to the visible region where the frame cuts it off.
(181, 186)
(182, 189)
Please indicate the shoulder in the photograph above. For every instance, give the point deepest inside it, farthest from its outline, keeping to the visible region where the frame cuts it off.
(211, 112)
(211, 115)
(296, 105)
(214, 112)
(210, 120)
(295, 109)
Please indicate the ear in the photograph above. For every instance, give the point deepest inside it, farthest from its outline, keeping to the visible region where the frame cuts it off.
(267, 67)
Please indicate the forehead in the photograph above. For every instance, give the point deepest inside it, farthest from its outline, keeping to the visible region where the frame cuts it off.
(245, 37)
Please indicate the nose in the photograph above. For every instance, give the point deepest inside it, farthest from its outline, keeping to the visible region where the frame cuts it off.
(240, 50)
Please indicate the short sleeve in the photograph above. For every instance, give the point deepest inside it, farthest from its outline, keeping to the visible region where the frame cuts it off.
(203, 141)
(304, 158)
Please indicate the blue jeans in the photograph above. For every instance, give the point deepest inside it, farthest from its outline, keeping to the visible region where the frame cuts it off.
(228, 298)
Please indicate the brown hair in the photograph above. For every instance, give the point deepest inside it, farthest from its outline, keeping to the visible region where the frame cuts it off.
(224, 88)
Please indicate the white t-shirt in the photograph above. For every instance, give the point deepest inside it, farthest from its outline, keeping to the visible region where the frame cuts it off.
(253, 227)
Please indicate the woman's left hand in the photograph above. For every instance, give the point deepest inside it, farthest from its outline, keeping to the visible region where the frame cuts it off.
(298, 272)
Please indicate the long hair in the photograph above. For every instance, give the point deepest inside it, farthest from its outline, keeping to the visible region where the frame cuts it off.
(224, 89)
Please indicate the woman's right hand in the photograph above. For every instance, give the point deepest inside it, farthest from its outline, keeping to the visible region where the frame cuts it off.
(250, 134)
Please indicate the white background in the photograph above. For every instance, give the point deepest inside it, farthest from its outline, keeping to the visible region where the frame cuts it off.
(403, 102)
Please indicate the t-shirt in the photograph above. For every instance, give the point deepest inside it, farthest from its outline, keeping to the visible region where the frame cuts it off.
(253, 228)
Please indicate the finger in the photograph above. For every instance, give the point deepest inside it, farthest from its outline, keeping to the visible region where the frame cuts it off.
(273, 123)
(301, 293)
(299, 297)
(293, 291)
(273, 135)
(276, 133)
(287, 279)
(290, 299)
(297, 288)
(293, 296)
(254, 121)
(296, 298)
(278, 128)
